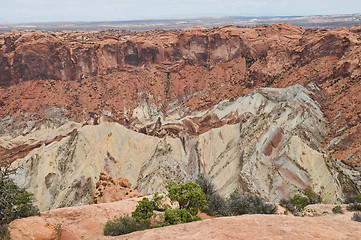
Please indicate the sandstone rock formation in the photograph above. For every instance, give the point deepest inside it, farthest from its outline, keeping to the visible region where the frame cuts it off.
(268, 142)
(108, 189)
(87, 222)
(84, 222)
(112, 73)
(258, 227)
(166, 105)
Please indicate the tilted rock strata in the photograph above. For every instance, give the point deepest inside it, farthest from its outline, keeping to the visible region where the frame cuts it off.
(113, 73)
(64, 173)
(273, 149)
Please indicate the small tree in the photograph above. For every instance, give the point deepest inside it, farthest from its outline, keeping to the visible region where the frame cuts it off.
(157, 202)
(215, 202)
(144, 210)
(189, 196)
(15, 202)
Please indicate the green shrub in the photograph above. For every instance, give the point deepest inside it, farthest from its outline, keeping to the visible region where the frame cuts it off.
(124, 225)
(189, 196)
(215, 202)
(299, 202)
(205, 184)
(353, 199)
(296, 204)
(236, 204)
(354, 207)
(175, 216)
(144, 210)
(216, 205)
(15, 202)
(356, 217)
(313, 197)
(239, 204)
(288, 205)
(157, 202)
(337, 209)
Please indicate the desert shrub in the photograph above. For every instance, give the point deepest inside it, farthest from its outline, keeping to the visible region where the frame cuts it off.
(288, 205)
(299, 201)
(144, 210)
(353, 199)
(313, 197)
(205, 184)
(175, 216)
(239, 204)
(215, 202)
(15, 202)
(236, 204)
(124, 225)
(337, 209)
(296, 204)
(216, 205)
(356, 217)
(157, 202)
(188, 195)
(354, 207)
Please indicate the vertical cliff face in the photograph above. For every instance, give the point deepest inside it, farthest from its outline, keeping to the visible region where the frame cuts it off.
(273, 148)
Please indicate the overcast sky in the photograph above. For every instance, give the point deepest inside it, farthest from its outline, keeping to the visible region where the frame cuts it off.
(12, 11)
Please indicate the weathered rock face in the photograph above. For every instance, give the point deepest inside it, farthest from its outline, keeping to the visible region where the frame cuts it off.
(272, 147)
(109, 189)
(160, 106)
(112, 73)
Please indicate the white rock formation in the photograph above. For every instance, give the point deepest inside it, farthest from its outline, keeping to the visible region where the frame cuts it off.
(268, 142)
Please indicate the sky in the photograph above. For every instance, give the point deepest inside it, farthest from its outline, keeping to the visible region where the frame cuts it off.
(24, 11)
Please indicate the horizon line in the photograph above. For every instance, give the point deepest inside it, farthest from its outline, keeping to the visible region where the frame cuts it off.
(174, 18)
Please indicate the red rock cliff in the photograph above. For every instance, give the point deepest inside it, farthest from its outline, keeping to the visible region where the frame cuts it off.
(89, 73)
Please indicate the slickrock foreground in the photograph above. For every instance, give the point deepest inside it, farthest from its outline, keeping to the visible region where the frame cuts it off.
(258, 227)
(87, 222)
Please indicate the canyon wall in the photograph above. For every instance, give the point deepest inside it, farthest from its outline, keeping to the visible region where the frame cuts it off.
(272, 148)
(113, 72)
(269, 109)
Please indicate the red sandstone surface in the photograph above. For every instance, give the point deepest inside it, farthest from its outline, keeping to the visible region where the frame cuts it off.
(87, 222)
(87, 73)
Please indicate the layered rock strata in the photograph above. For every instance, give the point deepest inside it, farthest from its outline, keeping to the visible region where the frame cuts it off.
(159, 106)
(113, 72)
(268, 142)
